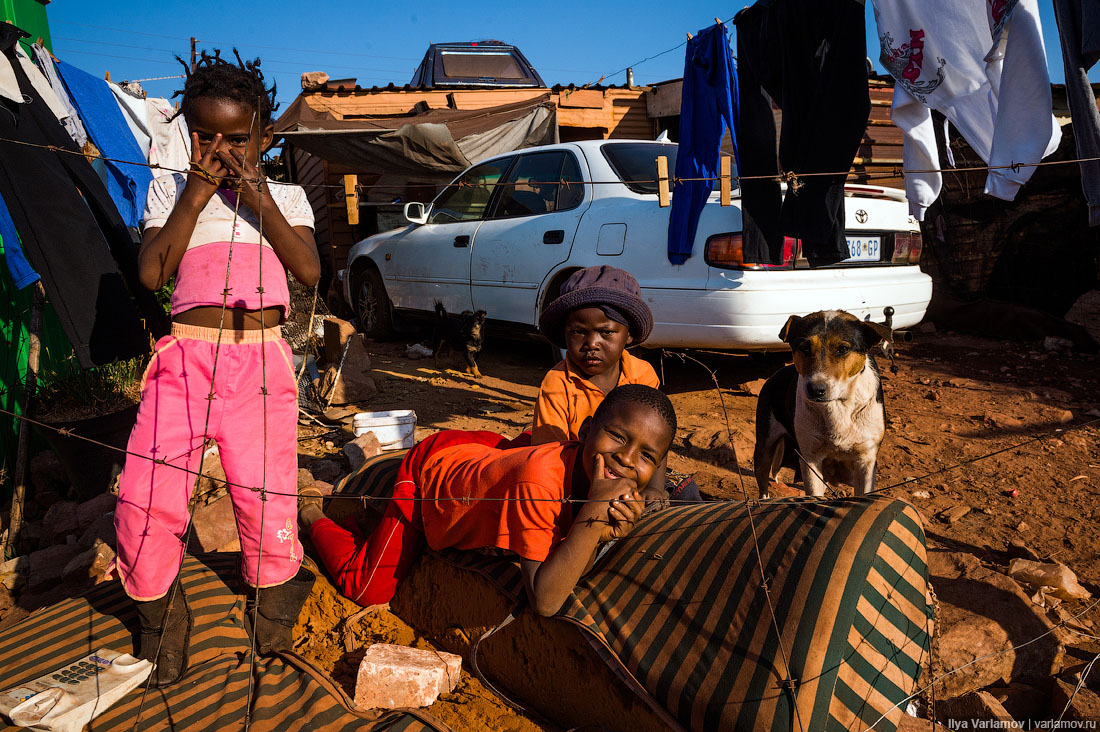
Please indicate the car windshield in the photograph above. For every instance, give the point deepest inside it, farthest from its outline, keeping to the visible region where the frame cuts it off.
(636, 163)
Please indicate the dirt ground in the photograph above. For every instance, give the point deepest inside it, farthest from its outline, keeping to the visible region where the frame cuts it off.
(1007, 430)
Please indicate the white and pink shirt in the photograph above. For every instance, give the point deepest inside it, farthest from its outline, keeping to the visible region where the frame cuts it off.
(225, 227)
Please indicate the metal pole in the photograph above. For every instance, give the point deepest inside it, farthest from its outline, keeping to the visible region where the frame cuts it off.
(193, 41)
(34, 349)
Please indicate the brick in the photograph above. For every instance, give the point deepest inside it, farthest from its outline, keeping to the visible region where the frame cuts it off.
(214, 524)
(92, 509)
(337, 333)
(60, 520)
(47, 565)
(102, 530)
(362, 448)
(326, 470)
(392, 676)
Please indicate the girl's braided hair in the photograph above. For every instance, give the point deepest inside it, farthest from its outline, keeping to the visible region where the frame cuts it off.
(216, 78)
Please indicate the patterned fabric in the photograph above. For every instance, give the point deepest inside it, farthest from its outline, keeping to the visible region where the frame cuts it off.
(288, 694)
(680, 608)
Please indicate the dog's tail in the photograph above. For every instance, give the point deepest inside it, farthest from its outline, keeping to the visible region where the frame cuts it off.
(440, 310)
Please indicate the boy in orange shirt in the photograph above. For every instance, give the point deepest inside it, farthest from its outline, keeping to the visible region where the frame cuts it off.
(471, 490)
(598, 313)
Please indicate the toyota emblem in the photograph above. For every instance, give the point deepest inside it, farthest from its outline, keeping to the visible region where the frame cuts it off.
(861, 216)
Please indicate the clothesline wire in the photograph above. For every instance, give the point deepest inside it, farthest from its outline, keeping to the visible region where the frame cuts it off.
(789, 177)
(681, 44)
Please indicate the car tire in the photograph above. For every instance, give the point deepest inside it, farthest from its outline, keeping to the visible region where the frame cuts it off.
(371, 305)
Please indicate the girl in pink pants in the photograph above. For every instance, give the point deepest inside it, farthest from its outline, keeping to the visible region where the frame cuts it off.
(227, 236)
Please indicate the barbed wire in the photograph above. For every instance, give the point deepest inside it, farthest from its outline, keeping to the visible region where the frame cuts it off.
(791, 178)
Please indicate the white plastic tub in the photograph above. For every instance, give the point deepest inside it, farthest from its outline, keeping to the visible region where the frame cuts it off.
(394, 429)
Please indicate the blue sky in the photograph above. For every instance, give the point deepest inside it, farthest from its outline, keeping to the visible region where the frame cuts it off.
(378, 43)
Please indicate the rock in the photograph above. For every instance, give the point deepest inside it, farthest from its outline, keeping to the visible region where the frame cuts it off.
(326, 470)
(362, 448)
(14, 571)
(984, 614)
(417, 351)
(392, 676)
(325, 488)
(974, 707)
(214, 525)
(337, 333)
(713, 445)
(46, 565)
(6, 600)
(313, 80)
(346, 386)
(1056, 344)
(47, 475)
(213, 474)
(92, 562)
(1059, 578)
(915, 724)
(1003, 422)
(752, 387)
(60, 520)
(1085, 704)
(102, 529)
(94, 508)
(1021, 700)
(926, 327)
(305, 479)
(1056, 415)
(953, 514)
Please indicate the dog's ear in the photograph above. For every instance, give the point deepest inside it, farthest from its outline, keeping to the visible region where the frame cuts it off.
(792, 322)
(875, 333)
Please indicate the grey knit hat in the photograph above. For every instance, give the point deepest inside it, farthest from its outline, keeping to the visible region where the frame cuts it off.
(605, 287)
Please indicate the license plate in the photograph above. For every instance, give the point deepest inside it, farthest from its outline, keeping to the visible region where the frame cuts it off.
(864, 249)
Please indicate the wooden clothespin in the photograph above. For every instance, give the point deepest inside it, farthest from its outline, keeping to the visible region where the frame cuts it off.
(662, 181)
(689, 36)
(718, 21)
(107, 76)
(351, 198)
(724, 179)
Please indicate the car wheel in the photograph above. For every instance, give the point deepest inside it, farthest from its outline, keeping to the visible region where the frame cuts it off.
(372, 305)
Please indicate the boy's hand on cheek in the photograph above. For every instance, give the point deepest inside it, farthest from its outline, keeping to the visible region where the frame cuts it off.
(622, 513)
(604, 488)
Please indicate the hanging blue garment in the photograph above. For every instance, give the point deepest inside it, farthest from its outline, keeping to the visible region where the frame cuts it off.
(22, 273)
(127, 183)
(707, 109)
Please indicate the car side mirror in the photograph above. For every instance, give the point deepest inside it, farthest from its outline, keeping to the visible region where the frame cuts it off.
(416, 213)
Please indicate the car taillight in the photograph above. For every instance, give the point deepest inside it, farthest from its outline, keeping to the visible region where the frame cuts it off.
(903, 241)
(916, 244)
(725, 251)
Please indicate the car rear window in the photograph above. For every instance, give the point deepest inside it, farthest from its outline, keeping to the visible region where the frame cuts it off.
(481, 65)
(636, 163)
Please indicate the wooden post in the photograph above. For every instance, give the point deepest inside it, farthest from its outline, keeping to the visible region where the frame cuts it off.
(193, 40)
(725, 179)
(351, 198)
(662, 181)
(30, 382)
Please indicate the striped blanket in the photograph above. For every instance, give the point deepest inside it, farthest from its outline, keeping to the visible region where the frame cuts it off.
(288, 695)
(832, 638)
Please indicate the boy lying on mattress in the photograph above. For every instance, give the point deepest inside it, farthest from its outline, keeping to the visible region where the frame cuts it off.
(471, 490)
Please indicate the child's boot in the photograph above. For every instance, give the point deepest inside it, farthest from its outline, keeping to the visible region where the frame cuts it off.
(165, 635)
(277, 612)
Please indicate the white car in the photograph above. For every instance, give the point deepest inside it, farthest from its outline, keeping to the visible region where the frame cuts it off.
(512, 228)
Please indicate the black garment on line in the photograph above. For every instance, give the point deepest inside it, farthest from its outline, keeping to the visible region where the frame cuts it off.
(71, 231)
(1079, 27)
(810, 57)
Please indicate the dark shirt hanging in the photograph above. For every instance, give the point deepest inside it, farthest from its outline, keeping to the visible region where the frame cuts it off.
(1079, 26)
(708, 107)
(810, 58)
(71, 231)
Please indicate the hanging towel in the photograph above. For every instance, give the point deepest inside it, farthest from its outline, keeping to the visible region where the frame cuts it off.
(809, 58)
(708, 107)
(133, 111)
(22, 274)
(127, 182)
(1079, 27)
(983, 65)
(171, 143)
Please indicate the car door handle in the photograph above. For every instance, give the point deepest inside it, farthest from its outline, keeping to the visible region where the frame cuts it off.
(554, 236)
(462, 241)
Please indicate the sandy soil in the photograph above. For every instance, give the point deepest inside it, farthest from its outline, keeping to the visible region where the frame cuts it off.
(954, 401)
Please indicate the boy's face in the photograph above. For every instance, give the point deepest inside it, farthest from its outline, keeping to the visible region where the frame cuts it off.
(594, 343)
(236, 122)
(633, 439)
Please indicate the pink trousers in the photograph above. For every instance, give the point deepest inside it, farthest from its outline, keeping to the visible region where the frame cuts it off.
(257, 440)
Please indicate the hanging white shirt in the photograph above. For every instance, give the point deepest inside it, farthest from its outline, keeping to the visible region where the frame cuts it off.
(982, 64)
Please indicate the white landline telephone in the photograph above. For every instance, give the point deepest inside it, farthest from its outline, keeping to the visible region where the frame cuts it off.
(67, 699)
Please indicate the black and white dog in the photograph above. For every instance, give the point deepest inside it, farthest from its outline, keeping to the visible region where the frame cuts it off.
(828, 404)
